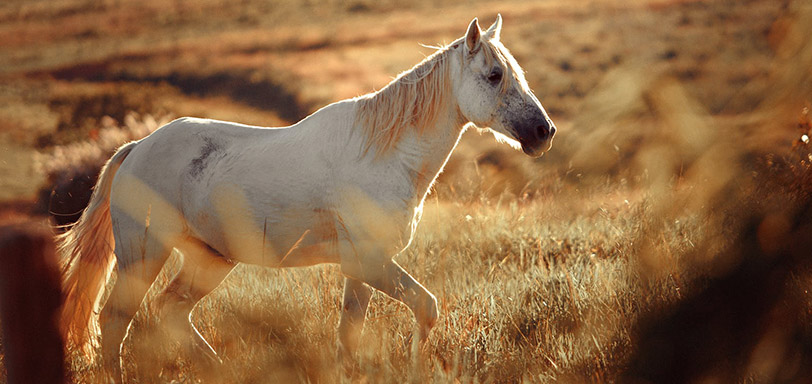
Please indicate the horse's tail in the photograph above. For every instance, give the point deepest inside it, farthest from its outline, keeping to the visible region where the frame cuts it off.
(86, 257)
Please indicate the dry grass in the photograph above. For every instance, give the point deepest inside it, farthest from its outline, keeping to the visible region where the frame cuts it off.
(526, 290)
(678, 167)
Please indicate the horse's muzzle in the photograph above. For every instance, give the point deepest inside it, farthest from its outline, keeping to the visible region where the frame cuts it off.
(540, 141)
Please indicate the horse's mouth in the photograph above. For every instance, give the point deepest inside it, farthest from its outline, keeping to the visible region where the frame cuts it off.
(537, 148)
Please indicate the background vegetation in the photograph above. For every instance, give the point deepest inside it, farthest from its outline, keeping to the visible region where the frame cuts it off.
(666, 238)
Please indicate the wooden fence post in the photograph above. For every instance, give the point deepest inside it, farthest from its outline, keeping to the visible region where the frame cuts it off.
(30, 297)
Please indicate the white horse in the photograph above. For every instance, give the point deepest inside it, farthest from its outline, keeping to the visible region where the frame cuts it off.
(345, 185)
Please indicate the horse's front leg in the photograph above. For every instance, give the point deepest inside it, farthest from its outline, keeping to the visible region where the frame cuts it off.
(353, 311)
(392, 279)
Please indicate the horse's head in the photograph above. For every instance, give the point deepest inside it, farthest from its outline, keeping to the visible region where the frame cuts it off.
(491, 92)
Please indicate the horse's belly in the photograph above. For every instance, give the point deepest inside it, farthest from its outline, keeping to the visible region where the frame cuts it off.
(273, 241)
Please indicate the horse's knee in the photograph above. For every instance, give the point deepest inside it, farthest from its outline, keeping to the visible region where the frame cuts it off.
(176, 294)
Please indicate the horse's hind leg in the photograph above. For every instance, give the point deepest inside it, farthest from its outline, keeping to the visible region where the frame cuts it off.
(202, 270)
(140, 254)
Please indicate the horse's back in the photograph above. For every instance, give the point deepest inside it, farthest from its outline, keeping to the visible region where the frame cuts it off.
(159, 170)
(179, 148)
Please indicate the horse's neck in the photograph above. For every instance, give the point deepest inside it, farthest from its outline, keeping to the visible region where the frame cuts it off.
(425, 153)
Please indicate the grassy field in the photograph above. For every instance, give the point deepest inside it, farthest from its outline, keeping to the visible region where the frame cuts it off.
(665, 238)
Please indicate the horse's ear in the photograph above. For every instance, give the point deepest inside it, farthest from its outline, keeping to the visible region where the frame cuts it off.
(473, 36)
(495, 29)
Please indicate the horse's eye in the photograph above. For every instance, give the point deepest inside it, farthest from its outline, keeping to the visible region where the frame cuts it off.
(495, 76)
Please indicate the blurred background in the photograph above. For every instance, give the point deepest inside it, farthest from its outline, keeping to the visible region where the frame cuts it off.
(664, 238)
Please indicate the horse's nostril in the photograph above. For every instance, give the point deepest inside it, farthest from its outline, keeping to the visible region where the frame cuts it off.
(544, 131)
(552, 130)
